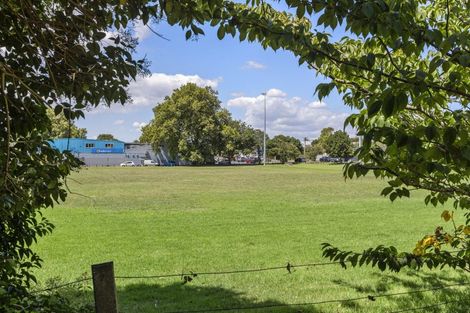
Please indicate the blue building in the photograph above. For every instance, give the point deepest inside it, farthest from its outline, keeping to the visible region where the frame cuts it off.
(94, 152)
(79, 145)
(112, 152)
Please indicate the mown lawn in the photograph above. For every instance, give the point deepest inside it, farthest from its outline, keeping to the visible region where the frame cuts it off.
(168, 220)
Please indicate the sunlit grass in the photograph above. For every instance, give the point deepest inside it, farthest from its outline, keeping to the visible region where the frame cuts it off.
(168, 220)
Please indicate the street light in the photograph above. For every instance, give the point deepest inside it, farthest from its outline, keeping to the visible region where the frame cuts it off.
(264, 134)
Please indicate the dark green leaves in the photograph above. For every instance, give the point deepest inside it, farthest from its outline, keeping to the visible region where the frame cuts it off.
(450, 134)
(374, 108)
(389, 105)
(221, 32)
(368, 9)
(324, 90)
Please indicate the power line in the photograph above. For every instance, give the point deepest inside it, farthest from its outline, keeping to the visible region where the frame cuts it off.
(369, 297)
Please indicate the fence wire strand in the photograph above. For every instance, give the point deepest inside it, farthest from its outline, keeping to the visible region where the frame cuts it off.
(289, 267)
(62, 285)
(368, 297)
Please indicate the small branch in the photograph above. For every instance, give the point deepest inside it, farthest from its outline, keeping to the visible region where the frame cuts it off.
(7, 113)
(389, 55)
(342, 81)
(157, 33)
(447, 18)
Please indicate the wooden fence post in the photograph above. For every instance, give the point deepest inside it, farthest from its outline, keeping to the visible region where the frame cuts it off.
(104, 288)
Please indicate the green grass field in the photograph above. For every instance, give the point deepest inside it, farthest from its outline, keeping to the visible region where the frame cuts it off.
(168, 220)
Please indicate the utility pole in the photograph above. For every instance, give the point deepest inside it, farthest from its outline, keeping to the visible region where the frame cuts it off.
(305, 145)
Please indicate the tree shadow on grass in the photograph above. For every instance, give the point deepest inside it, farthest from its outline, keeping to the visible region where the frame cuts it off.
(150, 297)
(454, 299)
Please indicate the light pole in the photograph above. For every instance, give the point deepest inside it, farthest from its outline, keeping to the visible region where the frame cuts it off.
(264, 134)
(305, 146)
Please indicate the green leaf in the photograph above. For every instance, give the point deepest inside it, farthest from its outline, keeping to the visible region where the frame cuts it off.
(221, 32)
(58, 109)
(450, 134)
(389, 105)
(368, 9)
(374, 108)
(300, 12)
(431, 132)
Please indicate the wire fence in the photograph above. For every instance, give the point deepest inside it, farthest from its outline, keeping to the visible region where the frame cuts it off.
(52, 288)
(189, 276)
(288, 267)
(339, 301)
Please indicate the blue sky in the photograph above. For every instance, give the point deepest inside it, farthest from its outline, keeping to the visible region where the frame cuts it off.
(240, 72)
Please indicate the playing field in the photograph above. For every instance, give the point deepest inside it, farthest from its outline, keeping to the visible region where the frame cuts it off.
(152, 221)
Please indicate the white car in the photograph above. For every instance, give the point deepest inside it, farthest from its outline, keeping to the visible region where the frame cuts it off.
(150, 163)
(127, 163)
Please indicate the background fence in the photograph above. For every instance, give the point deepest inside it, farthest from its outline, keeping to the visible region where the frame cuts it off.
(104, 289)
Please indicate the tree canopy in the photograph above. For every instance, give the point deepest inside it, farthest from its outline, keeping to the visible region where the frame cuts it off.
(63, 128)
(105, 137)
(339, 145)
(193, 126)
(53, 55)
(189, 123)
(284, 148)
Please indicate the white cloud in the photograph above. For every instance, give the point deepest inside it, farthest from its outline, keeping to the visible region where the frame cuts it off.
(141, 31)
(118, 122)
(254, 65)
(237, 94)
(139, 125)
(150, 90)
(288, 115)
(317, 104)
(153, 89)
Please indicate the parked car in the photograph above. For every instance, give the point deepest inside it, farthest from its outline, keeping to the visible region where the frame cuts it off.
(150, 163)
(127, 163)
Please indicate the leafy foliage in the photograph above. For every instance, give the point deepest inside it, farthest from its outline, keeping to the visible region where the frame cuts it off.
(312, 151)
(52, 55)
(339, 145)
(238, 137)
(284, 148)
(105, 137)
(63, 128)
(404, 67)
(194, 127)
(189, 123)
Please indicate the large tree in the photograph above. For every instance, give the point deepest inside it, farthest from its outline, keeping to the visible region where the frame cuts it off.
(319, 145)
(189, 123)
(237, 137)
(339, 145)
(52, 55)
(284, 148)
(313, 150)
(105, 137)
